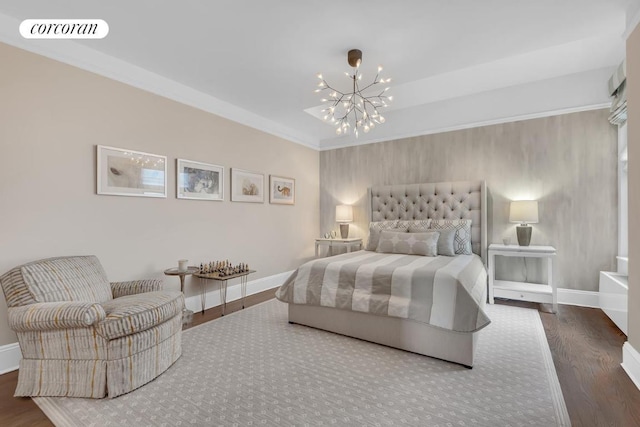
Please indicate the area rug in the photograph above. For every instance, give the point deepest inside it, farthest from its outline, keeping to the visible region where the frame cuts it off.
(254, 368)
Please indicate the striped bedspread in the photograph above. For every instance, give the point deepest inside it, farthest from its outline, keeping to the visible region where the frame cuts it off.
(447, 292)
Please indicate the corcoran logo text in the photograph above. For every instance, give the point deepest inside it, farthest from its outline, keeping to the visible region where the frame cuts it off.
(64, 29)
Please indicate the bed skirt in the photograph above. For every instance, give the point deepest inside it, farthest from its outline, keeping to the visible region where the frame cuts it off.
(404, 334)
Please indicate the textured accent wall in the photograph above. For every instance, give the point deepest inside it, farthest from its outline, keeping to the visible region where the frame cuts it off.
(51, 118)
(566, 162)
(633, 144)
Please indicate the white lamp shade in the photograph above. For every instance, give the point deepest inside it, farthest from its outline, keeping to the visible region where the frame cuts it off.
(344, 213)
(524, 212)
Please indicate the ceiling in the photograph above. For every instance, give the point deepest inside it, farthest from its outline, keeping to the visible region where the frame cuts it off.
(452, 63)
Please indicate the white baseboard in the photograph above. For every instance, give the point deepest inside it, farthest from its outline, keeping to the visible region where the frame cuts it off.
(10, 356)
(631, 363)
(577, 297)
(233, 291)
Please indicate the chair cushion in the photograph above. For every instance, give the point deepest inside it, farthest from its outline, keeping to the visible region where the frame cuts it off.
(78, 278)
(134, 313)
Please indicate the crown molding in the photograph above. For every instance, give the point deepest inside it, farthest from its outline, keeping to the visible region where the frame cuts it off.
(86, 58)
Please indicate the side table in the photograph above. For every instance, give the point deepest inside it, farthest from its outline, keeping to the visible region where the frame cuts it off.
(521, 290)
(223, 286)
(187, 315)
(331, 243)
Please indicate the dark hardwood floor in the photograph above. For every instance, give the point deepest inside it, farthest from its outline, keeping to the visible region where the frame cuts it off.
(586, 348)
(587, 351)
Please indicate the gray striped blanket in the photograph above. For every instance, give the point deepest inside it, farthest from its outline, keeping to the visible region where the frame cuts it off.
(447, 292)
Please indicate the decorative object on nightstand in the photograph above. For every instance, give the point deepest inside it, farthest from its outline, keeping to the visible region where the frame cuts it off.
(523, 291)
(343, 243)
(524, 212)
(344, 215)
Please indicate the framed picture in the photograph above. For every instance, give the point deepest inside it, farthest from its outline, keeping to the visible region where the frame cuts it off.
(199, 181)
(282, 191)
(247, 186)
(130, 173)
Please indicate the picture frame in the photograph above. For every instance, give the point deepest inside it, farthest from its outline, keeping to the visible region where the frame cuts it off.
(199, 181)
(282, 190)
(247, 186)
(123, 172)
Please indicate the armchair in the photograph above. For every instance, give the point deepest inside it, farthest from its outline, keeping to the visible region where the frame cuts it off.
(81, 336)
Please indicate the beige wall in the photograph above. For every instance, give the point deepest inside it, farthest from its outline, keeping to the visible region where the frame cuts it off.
(633, 105)
(51, 118)
(567, 162)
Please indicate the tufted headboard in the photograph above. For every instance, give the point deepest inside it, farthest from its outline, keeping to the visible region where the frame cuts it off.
(440, 200)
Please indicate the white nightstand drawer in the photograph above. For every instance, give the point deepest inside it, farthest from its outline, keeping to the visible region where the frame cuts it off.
(533, 292)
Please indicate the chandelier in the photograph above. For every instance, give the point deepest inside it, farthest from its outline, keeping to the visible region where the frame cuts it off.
(355, 110)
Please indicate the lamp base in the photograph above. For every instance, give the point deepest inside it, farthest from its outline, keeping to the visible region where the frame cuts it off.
(344, 230)
(524, 234)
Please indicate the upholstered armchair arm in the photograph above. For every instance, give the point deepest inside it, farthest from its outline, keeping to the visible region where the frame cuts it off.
(44, 316)
(121, 289)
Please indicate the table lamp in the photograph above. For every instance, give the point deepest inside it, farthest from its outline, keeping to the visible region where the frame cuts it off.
(524, 212)
(344, 215)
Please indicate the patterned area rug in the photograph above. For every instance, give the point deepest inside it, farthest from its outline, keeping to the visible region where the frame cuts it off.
(254, 368)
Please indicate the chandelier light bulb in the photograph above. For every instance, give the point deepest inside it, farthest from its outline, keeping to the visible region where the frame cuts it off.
(357, 107)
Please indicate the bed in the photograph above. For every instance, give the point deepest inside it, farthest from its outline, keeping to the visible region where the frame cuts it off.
(428, 305)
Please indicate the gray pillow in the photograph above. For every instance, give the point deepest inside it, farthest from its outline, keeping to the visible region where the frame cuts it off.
(445, 242)
(394, 242)
(462, 239)
(376, 227)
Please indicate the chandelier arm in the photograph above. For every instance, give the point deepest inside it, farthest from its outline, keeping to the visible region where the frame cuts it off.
(335, 90)
(367, 102)
(367, 87)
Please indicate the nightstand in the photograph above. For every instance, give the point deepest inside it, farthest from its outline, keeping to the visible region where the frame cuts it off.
(339, 243)
(535, 292)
